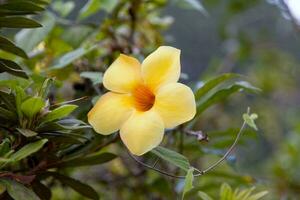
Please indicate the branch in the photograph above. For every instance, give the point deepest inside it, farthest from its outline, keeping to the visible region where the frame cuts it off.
(200, 172)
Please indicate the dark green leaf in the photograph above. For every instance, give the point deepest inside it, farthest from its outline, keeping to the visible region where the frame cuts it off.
(27, 132)
(89, 160)
(76, 185)
(21, 5)
(10, 47)
(209, 85)
(32, 106)
(27, 150)
(41, 190)
(58, 113)
(20, 95)
(18, 191)
(4, 147)
(7, 114)
(12, 68)
(18, 22)
(172, 157)
(223, 94)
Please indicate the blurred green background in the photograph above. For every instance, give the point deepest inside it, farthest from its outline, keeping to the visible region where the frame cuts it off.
(258, 39)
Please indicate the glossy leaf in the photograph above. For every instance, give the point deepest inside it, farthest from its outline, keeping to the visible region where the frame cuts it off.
(58, 113)
(18, 191)
(172, 157)
(89, 160)
(76, 185)
(12, 68)
(32, 106)
(27, 150)
(18, 22)
(68, 58)
(10, 47)
(222, 94)
(21, 5)
(211, 84)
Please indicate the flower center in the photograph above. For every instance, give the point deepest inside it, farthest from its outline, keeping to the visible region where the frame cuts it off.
(143, 98)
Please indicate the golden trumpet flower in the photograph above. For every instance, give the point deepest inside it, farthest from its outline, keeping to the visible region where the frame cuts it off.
(144, 99)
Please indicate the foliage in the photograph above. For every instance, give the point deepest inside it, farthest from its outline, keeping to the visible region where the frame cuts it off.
(52, 58)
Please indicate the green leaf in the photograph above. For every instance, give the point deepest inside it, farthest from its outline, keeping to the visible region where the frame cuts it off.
(89, 160)
(224, 93)
(32, 106)
(204, 196)
(18, 22)
(4, 147)
(172, 157)
(76, 185)
(68, 58)
(20, 95)
(95, 77)
(12, 68)
(211, 84)
(249, 119)
(226, 192)
(188, 182)
(21, 5)
(18, 191)
(46, 87)
(27, 150)
(10, 47)
(27, 39)
(91, 7)
(58, 113)
(27, 132)
(7, 114)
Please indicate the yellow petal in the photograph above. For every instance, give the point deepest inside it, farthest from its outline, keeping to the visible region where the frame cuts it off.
(123, 74)
(110, 112)
(142, 132)
(175, 103)
(161, 67)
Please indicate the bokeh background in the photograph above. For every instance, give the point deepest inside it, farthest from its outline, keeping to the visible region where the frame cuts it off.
(259, 39)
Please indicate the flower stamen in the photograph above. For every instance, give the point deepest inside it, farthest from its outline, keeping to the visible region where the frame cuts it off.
(143, 98)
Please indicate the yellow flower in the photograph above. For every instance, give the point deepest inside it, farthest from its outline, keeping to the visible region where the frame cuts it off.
(145, 99)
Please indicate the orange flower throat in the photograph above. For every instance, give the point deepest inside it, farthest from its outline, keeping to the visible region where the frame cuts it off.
(143, 98)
